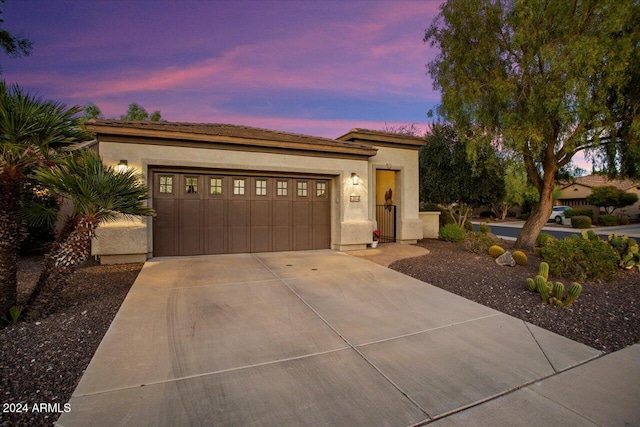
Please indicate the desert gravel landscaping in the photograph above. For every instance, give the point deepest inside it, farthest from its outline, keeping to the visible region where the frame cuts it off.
(605, 316)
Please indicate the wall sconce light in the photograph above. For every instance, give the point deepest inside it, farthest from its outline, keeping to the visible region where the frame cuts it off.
(355, 179)
(123, 166)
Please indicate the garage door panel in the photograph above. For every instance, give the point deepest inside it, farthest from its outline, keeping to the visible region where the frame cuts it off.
(190, 213)
(212, 214)
(215, 213)
(164, 241)
(238, 213)
(166, 214)
(215, 240)
(191, 241)
(282, 223)
(260, 213)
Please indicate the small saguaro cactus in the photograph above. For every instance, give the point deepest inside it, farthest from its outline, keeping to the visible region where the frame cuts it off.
(542, 288)
(558, 290)
(531, 284)
(543, 270)
(572, 293)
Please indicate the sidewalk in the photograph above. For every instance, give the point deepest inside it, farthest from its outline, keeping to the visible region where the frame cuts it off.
(601, 392)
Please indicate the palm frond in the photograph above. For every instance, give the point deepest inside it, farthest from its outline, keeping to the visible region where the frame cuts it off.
(96, 190)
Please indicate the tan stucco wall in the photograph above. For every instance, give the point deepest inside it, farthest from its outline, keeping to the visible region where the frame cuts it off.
(405, 163)
(351, 223)
(430, 224)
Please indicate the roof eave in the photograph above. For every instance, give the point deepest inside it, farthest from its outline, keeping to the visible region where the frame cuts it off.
(239, 141)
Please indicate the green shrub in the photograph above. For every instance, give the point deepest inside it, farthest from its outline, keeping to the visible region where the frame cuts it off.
(607, 220)
(452, 233)
(479, 243)
(524, 216)
(623, 220)
(487, 214)
(581, 222)
(544, 239)
(484, 228)
(579, 212)
(580, 259)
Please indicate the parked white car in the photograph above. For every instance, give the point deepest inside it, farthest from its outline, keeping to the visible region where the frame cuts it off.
(557, 214)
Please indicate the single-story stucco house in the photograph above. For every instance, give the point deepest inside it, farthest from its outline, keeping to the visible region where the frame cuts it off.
(575, 193)
(219, 188)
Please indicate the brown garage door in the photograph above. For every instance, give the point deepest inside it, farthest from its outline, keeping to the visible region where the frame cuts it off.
(215, 214)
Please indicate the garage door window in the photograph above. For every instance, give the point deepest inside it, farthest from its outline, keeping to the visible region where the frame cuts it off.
(282, 188)
(302, 189)
(238, 187)
(166, 184)
(191, 185)
(321, 189)
(215, 186)
(261, 187)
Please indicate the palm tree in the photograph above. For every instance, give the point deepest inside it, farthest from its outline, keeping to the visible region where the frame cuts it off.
(99, 194)
(31, 131)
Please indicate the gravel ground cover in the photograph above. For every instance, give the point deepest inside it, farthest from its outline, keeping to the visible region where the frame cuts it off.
(42, 361)
(605, 316)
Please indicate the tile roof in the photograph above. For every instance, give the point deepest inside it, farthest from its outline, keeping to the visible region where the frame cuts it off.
(376, 137)
(601, 180)
(192, 131)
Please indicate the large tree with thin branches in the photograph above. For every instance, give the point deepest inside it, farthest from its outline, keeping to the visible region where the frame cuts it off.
(546, 79)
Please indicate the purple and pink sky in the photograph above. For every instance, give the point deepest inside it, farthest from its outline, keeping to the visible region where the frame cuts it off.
(314, 67)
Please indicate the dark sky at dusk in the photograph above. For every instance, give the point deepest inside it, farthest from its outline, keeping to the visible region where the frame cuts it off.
(314, 67)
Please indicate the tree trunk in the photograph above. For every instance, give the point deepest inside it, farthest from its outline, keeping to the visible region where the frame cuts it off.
(504, 212)
(10, 237)
(539, 216)
(64, 259)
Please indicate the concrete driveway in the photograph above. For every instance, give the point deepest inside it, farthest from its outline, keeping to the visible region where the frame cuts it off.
(304, 338)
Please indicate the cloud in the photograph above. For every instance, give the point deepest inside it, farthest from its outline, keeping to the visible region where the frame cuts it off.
(373, 56)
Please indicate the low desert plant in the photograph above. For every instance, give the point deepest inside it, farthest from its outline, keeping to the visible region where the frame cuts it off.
(14, 314)
(552, 293)
(495, 251)
(452, 233)
(520, 257)
(479, 243)
(627, 249)
(578, 258)
(579, 212)
(484, 229)
(544, 239)
(623, 220)
(607, 220)
(581, 222)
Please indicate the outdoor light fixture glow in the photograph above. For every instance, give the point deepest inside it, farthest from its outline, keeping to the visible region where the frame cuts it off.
(355, 178)
(122, 166)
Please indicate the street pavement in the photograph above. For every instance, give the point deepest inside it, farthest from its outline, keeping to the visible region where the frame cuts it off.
(511, 230)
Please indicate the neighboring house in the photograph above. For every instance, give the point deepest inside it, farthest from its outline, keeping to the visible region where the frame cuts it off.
(220, 188)
(575, 193)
